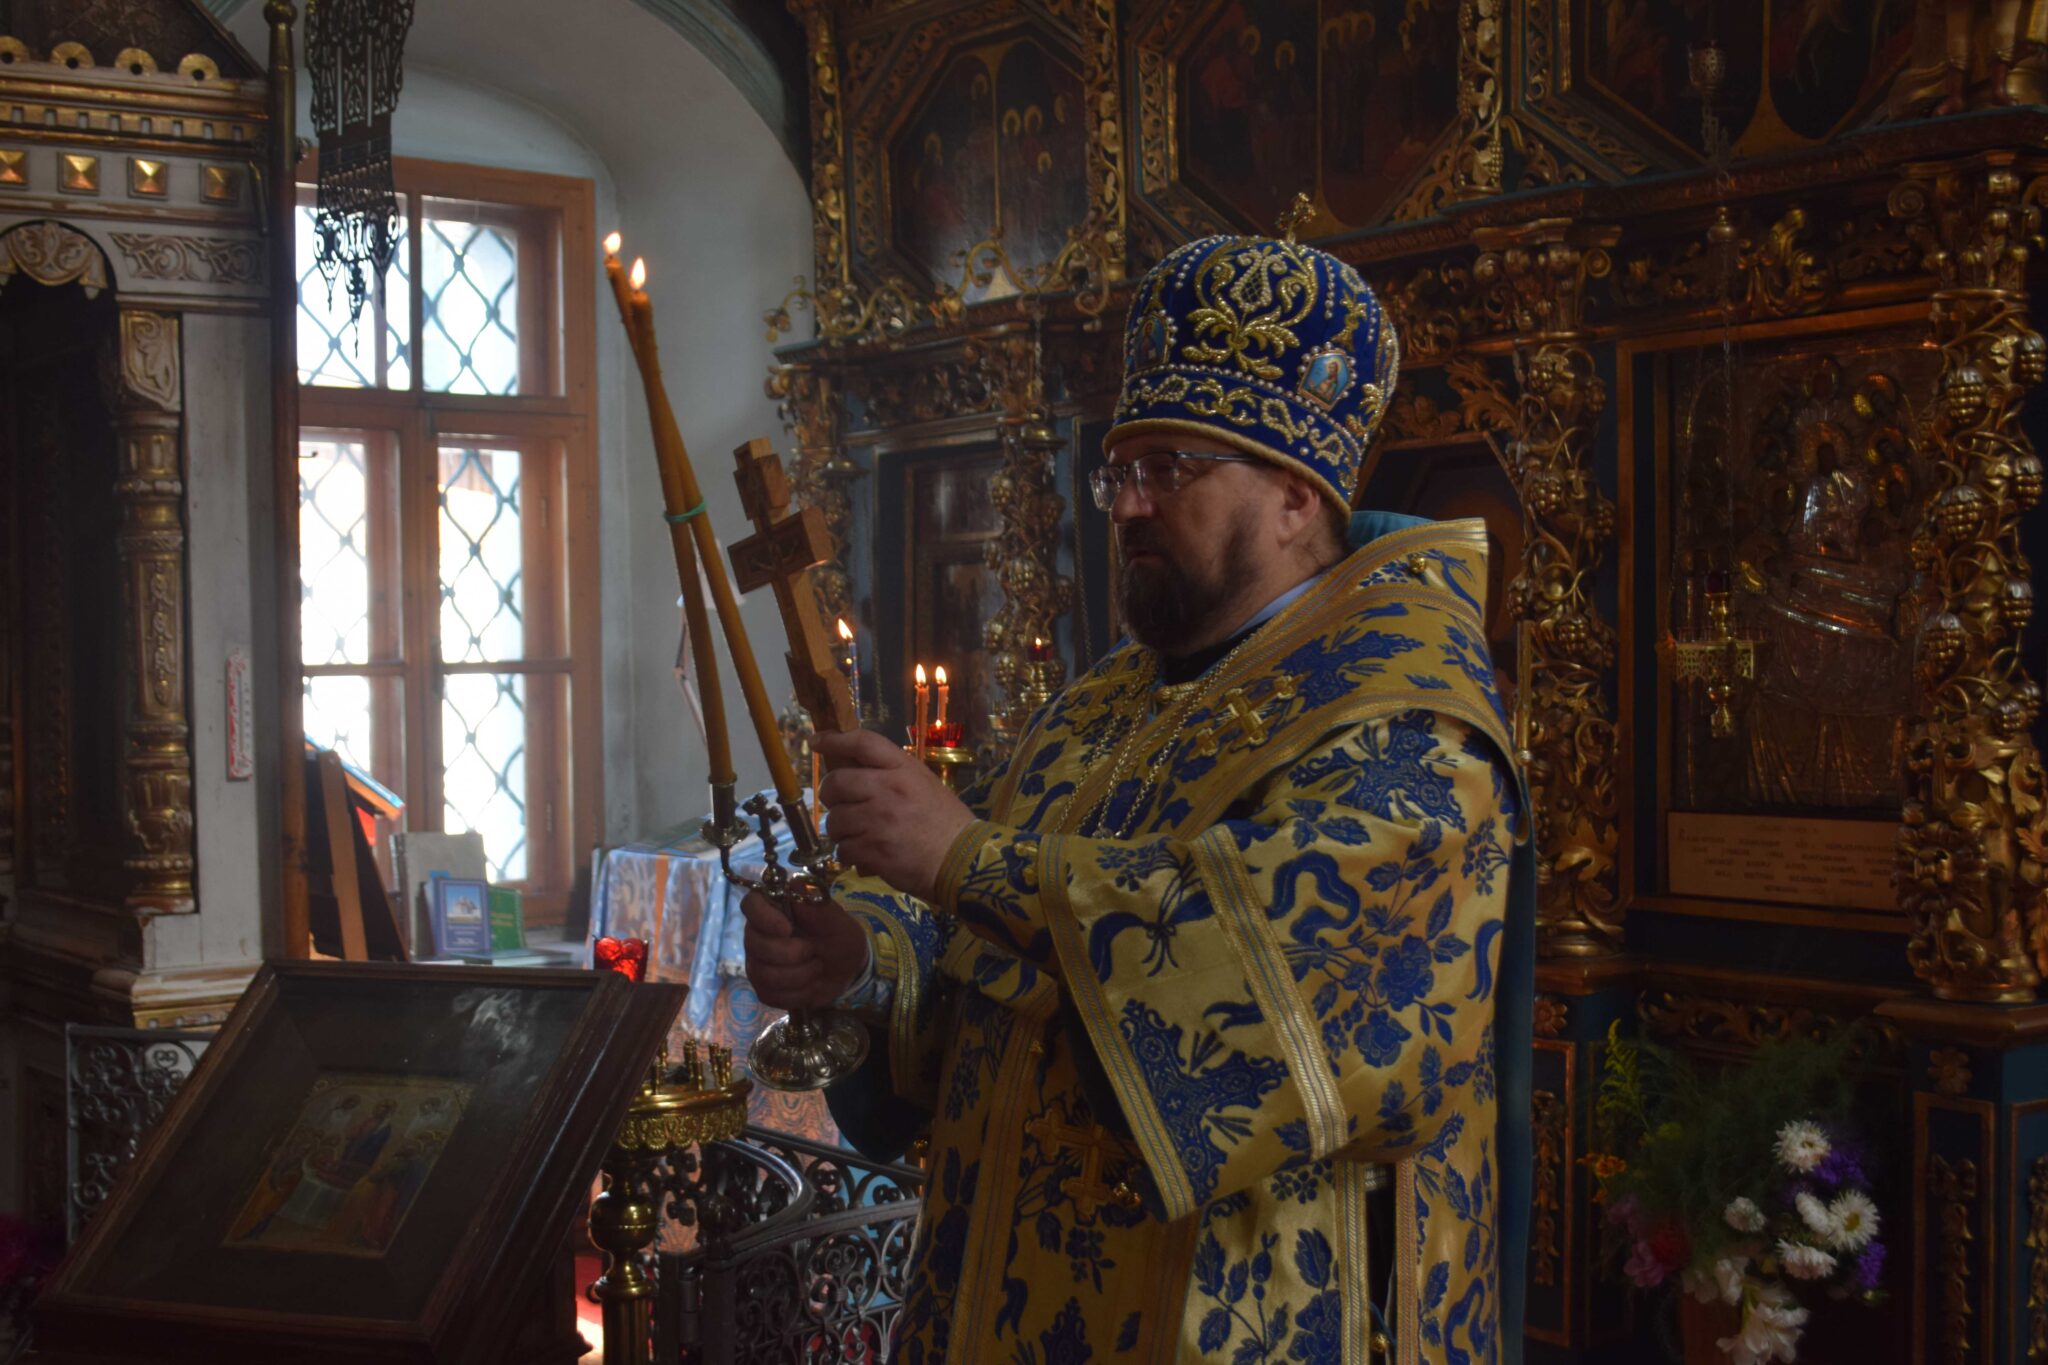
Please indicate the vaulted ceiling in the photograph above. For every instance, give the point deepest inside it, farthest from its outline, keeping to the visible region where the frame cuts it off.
(755, 43)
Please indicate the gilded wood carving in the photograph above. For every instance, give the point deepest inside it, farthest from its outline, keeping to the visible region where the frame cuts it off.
(52, 254)
(1974, 840)
(150, 546)
(1537, 276)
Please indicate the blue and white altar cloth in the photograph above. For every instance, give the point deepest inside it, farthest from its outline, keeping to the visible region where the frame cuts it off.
(671, 891)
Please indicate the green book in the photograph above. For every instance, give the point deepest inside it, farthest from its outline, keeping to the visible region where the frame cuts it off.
(508, 930)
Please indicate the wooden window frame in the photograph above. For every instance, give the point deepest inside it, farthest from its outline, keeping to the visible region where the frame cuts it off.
(558, 431)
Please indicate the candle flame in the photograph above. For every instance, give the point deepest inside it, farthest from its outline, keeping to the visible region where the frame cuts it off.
(639, 276)
(1037, 643)
(920, 675)
(612, 243)
(941, 675)
(844, 633)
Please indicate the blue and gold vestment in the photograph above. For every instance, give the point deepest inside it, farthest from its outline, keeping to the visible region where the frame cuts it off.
(1158, 1070)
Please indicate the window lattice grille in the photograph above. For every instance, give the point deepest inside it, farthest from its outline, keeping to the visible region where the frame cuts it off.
(469, 277)
(334, 554)
(483, 750)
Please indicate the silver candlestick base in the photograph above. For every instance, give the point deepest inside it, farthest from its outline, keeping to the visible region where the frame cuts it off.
(807, 1049)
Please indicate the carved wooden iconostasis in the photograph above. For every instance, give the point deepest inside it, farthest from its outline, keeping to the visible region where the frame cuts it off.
(136, 503)
(1726, 335)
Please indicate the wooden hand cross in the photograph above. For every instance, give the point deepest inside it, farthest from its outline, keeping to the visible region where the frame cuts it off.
(782, 551)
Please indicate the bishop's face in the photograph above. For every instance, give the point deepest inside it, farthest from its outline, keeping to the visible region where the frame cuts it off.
(1183, 553)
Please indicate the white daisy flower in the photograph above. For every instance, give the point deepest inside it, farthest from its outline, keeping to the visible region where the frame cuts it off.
(1728, 1277)
(1771, 1328)
(1854, 1215)
(1816, 1216)
(1743, 1215)
(1802, 1146)
(1803, 1262)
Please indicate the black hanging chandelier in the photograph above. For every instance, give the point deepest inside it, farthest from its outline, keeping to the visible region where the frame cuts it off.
(355, 52)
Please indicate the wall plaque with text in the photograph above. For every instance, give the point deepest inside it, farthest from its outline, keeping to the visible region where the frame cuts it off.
(1840, 864)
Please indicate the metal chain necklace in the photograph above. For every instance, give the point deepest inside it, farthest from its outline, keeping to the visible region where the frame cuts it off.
(1183, 700)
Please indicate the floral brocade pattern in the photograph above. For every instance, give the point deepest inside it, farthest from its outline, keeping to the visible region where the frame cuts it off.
(1155, 1067)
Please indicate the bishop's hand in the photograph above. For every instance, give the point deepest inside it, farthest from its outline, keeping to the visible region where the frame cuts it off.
(890, 816)
(802, 954)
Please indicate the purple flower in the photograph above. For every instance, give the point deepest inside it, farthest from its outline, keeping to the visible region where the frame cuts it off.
(1843, 1165)
(1622, 1213)
(1870, 1266)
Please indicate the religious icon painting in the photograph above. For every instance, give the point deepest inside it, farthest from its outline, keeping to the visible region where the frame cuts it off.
(371, 1163)
(1325, 377)
(1154, 341)
(352, 1165)
(461, 926)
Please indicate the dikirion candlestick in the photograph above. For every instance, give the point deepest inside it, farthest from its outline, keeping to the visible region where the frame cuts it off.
(685, 539)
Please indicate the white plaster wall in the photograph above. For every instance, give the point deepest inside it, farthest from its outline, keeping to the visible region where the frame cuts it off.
(227, 426)
(699, 185)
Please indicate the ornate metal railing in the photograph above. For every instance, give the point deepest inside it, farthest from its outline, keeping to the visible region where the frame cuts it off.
(117, 1084)
(799, 1253)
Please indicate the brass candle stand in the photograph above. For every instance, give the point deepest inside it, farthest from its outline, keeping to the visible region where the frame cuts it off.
(805, 1049)
(676, 1108)
(948, 763)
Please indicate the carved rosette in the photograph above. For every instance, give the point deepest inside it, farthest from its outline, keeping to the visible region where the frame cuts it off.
(1025, 493)
(150, 545)
(808, 403)
(1971, 849)
(1535, 276)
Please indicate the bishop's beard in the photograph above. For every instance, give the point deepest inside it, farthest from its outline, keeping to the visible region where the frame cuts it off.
(1166, 603)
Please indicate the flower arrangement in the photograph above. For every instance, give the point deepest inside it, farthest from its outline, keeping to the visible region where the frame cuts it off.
(1747, 1187)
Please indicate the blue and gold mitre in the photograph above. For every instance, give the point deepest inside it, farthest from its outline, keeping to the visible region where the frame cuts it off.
(1275, 348)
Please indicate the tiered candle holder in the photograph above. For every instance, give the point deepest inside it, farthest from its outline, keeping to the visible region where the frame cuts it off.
(684, 1106)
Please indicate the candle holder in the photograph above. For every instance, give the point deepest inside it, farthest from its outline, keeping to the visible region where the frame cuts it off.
(805, 1049)
(674, 1109)
(944, 755)
(1719, 659)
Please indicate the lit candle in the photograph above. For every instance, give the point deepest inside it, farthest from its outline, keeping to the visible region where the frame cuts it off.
(852, 660)
(678, 486)
(924, 715)
(1040, 649)
(684, 504)
(943, 691)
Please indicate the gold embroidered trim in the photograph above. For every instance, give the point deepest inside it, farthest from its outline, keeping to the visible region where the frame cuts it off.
(1354, 1264)
(1259, 954)
(966, 847)
(1407, 1268)
(1162, 1158)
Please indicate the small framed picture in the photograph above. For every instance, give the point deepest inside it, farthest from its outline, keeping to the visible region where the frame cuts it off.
(462, 925)
(373, 1163)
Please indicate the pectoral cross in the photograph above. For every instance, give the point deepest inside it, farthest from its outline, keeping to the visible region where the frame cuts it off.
(785, 547)
(1245, 714)
(1093, 1142)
